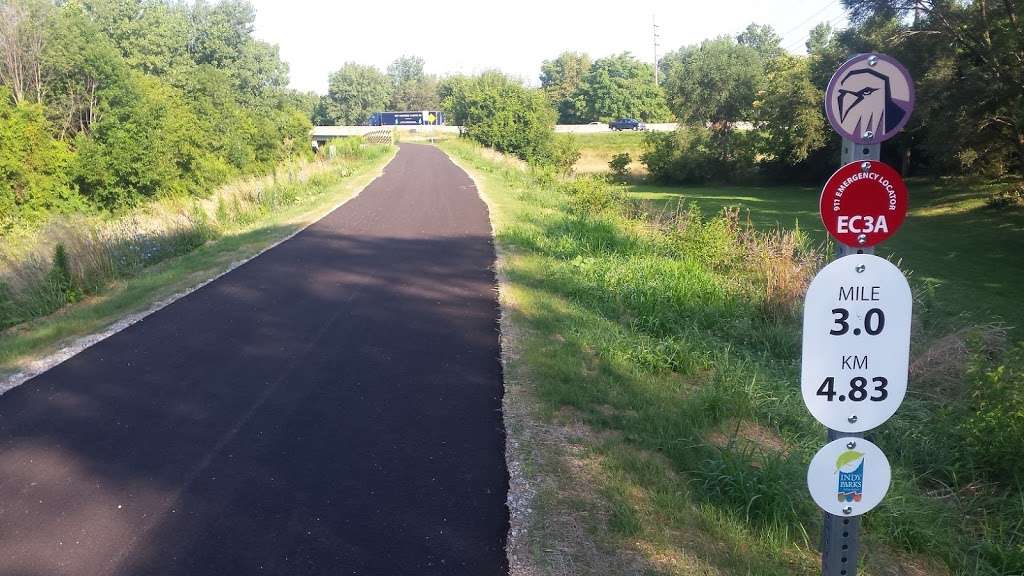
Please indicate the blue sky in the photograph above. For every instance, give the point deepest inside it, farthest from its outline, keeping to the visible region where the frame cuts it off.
(515, 36)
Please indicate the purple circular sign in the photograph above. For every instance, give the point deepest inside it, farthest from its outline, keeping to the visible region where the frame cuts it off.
(869, 98)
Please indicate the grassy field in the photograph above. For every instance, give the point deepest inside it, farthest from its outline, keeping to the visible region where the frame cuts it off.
(597, 149)
(245, 225)
(969, 254)
(654, 421)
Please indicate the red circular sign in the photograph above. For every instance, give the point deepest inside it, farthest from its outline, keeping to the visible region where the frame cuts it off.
(863, 203)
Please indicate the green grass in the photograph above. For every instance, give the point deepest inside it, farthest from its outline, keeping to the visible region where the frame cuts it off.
(970, 254)
(655, 395)
(248, 232)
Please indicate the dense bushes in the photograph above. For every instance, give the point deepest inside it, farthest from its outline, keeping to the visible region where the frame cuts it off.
(593, 195)
(619, 165)
(109, 103)
(564, 153)
(33, 166)
(695, 155)
(501, 113)
(144, 145)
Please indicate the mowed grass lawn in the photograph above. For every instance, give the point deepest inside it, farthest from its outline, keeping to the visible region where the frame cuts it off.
(972, 255)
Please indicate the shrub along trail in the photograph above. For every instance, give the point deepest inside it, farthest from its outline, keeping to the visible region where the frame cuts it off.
(331, 407)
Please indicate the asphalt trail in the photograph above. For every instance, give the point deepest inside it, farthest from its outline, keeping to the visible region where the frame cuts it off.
(331, 407)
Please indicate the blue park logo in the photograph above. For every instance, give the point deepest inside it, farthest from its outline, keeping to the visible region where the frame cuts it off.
(850, 468)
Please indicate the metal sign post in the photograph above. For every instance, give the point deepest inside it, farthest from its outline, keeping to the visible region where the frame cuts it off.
(840, 536)
(853, 152)
(868, 100)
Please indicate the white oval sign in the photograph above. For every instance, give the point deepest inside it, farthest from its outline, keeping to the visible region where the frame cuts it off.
(848, 476)
(856, 343)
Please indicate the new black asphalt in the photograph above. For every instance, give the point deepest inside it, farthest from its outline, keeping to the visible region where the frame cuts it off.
(330, 407)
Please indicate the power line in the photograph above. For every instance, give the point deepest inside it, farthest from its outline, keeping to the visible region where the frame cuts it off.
(832, 22)
(803, 39)
(808, 19)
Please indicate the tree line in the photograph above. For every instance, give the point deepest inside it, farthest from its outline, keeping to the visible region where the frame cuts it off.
(355, 91)
(747, 107)
(105, 103)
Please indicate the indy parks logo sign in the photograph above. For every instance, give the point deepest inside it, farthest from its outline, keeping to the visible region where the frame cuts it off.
(848, 476)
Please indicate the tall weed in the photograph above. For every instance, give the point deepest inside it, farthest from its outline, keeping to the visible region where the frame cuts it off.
(75, 256)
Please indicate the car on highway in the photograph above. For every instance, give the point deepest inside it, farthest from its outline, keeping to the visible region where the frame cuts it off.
(627, 124)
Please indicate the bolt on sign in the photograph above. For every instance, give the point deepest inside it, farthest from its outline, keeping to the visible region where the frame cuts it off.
(863, 203)
(856, 343)
(848, 476)
(869, 98)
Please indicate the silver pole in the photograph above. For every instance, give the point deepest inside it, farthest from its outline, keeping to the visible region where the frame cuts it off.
(840, 536)
(654, 25)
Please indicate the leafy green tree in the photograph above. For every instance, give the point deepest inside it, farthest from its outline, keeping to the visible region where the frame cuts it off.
(220, 32)
(33, 166)
(306, 102)
(355, 92)
(259, 72)
(695, 154)
(421, 95)
(619, 165)
(714, 82)
(79, 64)
(291, 134)
(449, 85)
(406, 69)
(980, 49)
(146, 144)
(788, 111)
(22, 37)
(505, 115)
(411, 88)
(763, 39)
(563, 81)
(137, 98)
(226, 128)
(826, 52)
(152, 35)
(621, 86)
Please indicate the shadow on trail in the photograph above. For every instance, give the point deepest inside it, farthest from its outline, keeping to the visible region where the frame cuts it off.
(332, 406)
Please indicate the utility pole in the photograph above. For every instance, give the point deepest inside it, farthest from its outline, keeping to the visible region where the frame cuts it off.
(654, 25)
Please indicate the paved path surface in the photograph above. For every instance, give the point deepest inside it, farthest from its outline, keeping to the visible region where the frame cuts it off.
(331, 407)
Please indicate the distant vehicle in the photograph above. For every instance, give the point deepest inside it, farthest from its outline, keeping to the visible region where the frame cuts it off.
(627, 124)
(408, 118)
(594, 123)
